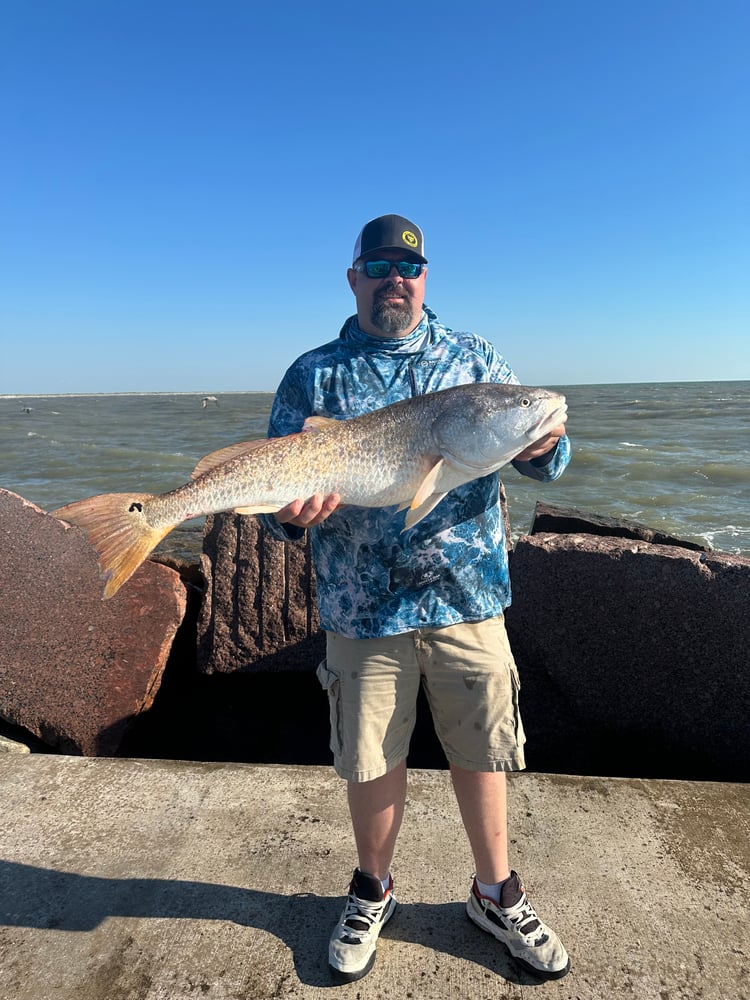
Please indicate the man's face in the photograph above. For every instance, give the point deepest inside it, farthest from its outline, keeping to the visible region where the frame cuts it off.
(390, 306)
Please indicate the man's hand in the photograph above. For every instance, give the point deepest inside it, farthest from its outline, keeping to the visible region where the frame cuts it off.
(543, 445)
(308, 513)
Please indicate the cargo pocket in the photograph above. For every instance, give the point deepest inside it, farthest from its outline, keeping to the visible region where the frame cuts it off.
(329, 681)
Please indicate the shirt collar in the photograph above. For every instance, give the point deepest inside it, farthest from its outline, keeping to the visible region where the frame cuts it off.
(411, 344)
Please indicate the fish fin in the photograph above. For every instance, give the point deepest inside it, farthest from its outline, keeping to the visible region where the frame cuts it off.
(224, 455)
(318, 423)
(258, 508)
(116, 528)
(427, 486)
(415, 514)
(426, 489)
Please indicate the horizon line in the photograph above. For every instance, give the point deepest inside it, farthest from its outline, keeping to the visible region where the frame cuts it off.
(271, 392)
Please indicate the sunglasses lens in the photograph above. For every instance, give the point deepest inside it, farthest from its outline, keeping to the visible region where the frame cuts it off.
(378, 268)
(382, 268)
(408, 269)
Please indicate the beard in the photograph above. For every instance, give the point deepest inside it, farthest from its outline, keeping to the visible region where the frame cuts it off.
(392, 318)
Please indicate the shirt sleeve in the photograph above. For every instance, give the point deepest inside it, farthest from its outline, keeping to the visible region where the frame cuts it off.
(291, 405)
(498, 368)
(547, 467)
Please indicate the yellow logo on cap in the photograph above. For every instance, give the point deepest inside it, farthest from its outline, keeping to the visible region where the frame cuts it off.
(409, 238)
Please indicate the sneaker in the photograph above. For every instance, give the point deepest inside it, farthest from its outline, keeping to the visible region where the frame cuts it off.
(351, 952)
(533, 945)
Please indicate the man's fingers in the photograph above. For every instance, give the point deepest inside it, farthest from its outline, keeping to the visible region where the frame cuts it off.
(308, 513)
(288, 514)
(542, 446)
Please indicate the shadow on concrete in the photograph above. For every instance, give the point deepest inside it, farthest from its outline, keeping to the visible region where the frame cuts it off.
(47, 899)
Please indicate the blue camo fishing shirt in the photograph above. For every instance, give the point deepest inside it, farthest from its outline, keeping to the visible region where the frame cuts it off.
(372, 579)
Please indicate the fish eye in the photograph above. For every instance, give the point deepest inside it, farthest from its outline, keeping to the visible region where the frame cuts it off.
(525, 401)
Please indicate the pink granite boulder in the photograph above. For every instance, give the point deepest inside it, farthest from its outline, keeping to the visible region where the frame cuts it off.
(75, 669)
(259, 609)
(639, 649)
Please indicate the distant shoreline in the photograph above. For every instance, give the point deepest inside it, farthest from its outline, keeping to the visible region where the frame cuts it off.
(271, 392)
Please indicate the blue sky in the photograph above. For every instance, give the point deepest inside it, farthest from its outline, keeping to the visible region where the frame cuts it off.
(181, 184)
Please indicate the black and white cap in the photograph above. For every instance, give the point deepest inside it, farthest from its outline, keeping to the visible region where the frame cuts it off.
(390, 232)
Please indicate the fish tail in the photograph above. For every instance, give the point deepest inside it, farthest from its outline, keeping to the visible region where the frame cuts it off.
(116, 527)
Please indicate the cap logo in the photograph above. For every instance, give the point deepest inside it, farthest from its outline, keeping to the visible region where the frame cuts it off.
(409, 238)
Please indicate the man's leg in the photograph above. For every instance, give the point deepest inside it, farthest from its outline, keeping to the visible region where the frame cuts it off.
(377, 809)
(482, 800)
(505, 911)
(373, 686)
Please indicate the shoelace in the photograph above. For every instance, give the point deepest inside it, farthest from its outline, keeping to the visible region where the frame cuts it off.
(525, 920)
(361, 914)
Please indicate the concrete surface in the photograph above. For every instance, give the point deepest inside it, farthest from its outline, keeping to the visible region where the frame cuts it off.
(152, 880)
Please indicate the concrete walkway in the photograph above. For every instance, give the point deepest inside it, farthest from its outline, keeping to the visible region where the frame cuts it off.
(148, 880)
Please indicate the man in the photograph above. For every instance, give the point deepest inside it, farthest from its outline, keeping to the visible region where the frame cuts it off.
(425, 606)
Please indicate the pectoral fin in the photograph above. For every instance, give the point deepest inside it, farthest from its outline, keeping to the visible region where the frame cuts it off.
(444, 476)
(427, 486)
(415, 514)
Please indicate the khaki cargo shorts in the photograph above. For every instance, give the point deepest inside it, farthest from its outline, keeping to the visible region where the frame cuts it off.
(471, 682)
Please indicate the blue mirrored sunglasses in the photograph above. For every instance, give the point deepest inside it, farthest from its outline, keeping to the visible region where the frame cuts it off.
(382, 268)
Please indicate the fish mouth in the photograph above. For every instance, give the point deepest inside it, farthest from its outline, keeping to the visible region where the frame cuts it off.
(550, 420)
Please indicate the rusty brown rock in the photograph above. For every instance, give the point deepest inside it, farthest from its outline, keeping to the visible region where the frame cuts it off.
(641, 647)
(259, 610)
(74, 669)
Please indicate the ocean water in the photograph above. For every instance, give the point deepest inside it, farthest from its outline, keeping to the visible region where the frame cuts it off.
(674, 456)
